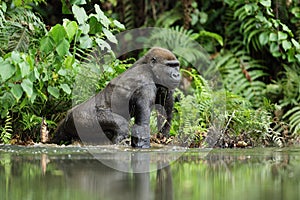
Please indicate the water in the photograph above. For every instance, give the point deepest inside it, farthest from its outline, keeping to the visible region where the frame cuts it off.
(44, 172)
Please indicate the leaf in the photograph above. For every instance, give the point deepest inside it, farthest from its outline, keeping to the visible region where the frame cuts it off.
(266, 3)
(79, 14)
(53, 91)
(282, 35)
(25, 69)
(101, 17)
(295, 43)
(71, 29)
(15, 56)
(17, 91)
(47, 45)
(110, 36)
(263, 38)
(118, 24)
(274, 49)
(58, 33)
(68, 62)
(102, 44)
(298, 57)
(86, 42)
(95, 26)
(85, 28)
(286, 45)
(65, 88)
(27, 86)
(78, 2)
(273, 37)
(212, 35)
(36, 73)
(6, 70)
(63, 48)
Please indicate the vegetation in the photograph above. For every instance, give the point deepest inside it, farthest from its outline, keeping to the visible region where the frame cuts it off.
(254, 45)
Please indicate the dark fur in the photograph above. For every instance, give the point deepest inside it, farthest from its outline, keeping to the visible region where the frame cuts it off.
(151, 80)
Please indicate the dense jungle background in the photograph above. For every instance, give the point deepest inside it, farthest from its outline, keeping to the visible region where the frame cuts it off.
(253, 44)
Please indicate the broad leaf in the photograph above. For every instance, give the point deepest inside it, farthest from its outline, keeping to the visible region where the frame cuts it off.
(71, 29)
(86, 42)
(79, 14)
(110, 36)
(58, 33)
(53, 91)
(266, 3)
(286, 45)
(118, 24)
(63, 48)
(17, 91)
(25, 69)
(6, 70)
(65, 88)
(282, 35)
(103, 19)
(263, 38)
(27, 86)
(47, 45)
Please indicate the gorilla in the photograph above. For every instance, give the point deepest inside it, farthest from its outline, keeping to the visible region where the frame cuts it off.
(148, 83)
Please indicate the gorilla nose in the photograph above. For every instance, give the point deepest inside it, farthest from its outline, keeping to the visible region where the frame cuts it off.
(176, 76)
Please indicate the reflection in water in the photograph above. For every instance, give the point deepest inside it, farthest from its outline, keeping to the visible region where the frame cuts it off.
(164, 183)
(73, 173)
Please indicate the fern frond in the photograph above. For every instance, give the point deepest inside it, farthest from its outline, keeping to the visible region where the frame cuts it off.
(129, 14)
(293, 116)
(7, 130)
(243, 75)
(181, 43)
(19, 30)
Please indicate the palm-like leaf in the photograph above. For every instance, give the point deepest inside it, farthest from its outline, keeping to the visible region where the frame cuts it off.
(19, 30)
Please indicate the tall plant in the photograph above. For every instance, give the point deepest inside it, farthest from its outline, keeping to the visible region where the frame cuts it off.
(37, 79)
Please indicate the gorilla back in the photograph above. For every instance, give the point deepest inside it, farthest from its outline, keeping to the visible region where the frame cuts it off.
(105, 117)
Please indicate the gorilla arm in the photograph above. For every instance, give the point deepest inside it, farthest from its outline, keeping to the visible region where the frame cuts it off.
(140, 134)
(164, 98)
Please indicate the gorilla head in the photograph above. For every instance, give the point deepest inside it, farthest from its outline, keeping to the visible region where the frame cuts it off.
(150, 81)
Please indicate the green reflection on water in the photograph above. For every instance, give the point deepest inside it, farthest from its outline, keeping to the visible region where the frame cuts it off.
(73, 173)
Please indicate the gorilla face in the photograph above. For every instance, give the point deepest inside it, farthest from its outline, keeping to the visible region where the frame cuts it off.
(166, 73)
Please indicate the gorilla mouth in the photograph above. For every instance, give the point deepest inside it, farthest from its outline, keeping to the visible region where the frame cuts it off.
(173, 84)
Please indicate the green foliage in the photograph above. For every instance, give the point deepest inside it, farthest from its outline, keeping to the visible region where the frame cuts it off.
(260, 28)
(20, 30)
(180, 41)
(37, 79)
(243, 75)
(192, 111)
(20, 3)
(243, 119)
(290, 84)
(6, 130)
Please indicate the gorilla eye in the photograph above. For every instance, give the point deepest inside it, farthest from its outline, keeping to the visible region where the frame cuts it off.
(153, 60)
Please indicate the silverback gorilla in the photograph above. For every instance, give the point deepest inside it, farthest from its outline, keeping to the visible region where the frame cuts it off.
(149, 82)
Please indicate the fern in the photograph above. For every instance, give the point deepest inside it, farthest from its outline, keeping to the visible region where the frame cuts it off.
(193, 111)
(293, 116)
(129, 14)
(6, 131)
(243, 75)
(290, 84)
(180, 41)
(20, 30)
(169, 18)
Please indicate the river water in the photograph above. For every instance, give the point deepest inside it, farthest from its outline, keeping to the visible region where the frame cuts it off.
(44, 172)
